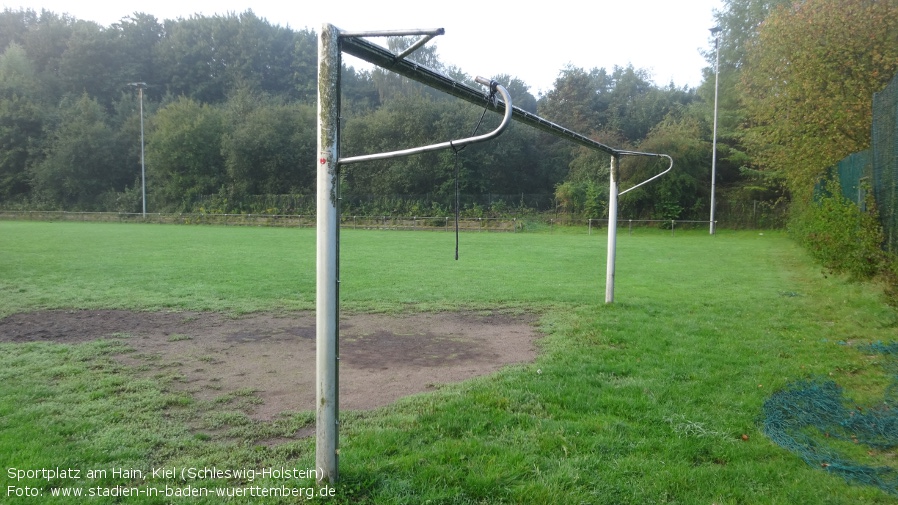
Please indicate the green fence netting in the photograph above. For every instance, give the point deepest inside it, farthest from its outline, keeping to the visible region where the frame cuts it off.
(855, 177)
(885, 160)
(877, 167)
(853, 171)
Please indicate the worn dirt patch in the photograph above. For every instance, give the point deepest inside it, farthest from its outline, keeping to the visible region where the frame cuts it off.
(382, 357)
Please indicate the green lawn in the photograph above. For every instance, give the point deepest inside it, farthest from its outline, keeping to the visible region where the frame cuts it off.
(655, 399)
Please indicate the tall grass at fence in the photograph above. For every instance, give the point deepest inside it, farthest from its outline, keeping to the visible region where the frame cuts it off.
(655, 399)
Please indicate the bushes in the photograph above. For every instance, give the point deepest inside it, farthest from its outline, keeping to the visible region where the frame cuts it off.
(839, 234)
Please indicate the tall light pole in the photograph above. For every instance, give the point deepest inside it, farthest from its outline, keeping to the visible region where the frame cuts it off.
(143, 170)
(716, 33)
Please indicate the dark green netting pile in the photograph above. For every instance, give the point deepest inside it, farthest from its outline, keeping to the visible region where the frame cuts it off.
(808, 417)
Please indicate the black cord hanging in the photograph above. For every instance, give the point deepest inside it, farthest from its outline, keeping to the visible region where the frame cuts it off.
(491, 98)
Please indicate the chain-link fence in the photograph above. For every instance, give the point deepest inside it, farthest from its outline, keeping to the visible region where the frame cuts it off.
(525, 224)
(885, 160)
(876, 168)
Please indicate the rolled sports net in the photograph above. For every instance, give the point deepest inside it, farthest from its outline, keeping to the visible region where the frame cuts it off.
(814, 420)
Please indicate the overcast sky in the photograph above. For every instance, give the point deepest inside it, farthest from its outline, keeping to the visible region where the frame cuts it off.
(532, 43)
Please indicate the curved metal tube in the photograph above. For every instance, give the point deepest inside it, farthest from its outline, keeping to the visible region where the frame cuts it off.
(650, 179)
(506, 120)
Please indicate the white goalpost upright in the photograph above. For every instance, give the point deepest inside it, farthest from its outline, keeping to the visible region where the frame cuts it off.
(332, 43)
(613, 195)
(610, 262)
(327, 278)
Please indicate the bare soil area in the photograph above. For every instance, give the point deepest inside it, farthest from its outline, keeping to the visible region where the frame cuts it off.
(382, 357)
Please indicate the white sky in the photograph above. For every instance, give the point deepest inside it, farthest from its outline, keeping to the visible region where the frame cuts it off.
(529, 42)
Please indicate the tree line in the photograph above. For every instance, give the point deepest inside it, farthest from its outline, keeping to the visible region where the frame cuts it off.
(230, 116)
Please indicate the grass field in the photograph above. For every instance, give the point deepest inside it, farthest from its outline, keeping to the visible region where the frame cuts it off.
(654, 399)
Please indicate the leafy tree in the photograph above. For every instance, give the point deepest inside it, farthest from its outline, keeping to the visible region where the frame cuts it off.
(125, 120)
(682, 193)
(505, 165)
(92, 63)
(635, 105)
(254, 53)
(809, 82)
(508, 164)
(232, 123)
(45, 38)
(624, 102)
(577, 99)
(586, 198)
(207, 57)
(391, 85)
(136, 38)
(270, 148)
(187, 57)
(82, 158)
(571, 196)
(14, 24)
(403, 122)
(739, 21)
(304, 67)
(20, 121)
(595, 197)
(590, 166)
(359, 96)
(184, 154)
(618, 109)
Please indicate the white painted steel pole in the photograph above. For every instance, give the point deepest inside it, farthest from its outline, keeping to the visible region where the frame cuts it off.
(327, 255)
(716, 32)
(143, 165)
(612, 230)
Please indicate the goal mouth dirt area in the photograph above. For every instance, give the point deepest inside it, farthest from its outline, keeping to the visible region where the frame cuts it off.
(382, 357)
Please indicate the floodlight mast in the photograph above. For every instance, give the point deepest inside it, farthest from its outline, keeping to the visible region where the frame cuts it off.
(143, 166)
(716, 32)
